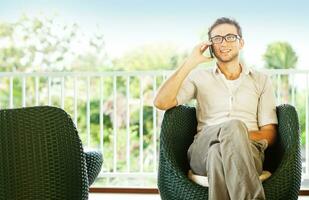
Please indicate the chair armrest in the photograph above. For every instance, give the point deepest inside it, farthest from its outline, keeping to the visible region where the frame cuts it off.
(287, 174)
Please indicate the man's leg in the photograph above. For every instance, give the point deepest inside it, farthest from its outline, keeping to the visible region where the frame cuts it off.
(205, 156)
(216, 176)
(206, 151)
(242, 178)
(258, 148)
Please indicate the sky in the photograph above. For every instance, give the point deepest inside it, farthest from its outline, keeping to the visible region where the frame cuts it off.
(130, 24)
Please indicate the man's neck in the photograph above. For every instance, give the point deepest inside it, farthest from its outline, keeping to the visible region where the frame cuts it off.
(231, 70)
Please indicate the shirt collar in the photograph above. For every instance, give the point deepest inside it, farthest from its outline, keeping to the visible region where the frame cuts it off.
(246, 70)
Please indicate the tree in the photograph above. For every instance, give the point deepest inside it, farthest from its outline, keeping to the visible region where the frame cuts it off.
(280, 55)
(43, 44)
(151, 57)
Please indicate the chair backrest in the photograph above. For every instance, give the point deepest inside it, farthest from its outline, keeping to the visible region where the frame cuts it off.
(41, 155)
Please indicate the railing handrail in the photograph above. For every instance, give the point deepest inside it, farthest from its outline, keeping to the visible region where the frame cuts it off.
(87, 74)
(131, 73)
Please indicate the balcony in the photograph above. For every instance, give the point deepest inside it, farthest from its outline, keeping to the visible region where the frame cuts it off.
(114, 114)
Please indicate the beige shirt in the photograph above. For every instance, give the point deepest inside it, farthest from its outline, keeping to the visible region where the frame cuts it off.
(250, 98)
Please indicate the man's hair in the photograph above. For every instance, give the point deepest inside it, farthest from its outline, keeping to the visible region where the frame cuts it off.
(225, 20)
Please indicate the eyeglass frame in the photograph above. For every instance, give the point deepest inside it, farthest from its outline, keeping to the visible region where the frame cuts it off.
(224, 37)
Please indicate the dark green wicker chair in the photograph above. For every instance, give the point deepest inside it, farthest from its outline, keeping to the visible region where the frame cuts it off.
(41, 156)
(177, 133)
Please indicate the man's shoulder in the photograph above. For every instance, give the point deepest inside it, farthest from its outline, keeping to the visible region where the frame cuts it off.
(258, 75)
(260, 79)
(200, 71)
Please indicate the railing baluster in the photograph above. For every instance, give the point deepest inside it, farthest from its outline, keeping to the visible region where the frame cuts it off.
(128, 122)
(75, 101)
(88, 111)
(278, 89)
(293, 89)
(154, 117)
(141, 139)
(101, 117)
(24, 91)
(37, 90)
(62, 92)
(49, 91)
(307, 125)
(11, 92)
(115, 122)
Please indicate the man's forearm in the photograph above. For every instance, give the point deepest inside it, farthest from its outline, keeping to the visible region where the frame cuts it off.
(168, 91)
(269, 135)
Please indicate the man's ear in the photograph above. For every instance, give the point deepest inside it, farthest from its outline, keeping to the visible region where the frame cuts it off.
(241, 43)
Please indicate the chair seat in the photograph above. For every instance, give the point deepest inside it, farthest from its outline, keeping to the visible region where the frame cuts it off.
(203, 180)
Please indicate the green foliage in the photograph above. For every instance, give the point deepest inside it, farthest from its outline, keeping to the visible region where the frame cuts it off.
(280, 55)
(43, 44)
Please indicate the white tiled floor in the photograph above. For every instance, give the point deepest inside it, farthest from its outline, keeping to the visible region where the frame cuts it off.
(103, 196)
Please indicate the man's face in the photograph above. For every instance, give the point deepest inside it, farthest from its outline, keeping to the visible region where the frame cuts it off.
(226, 51)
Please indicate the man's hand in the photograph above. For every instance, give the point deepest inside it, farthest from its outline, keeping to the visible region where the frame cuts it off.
(197, 56)
(268, 132)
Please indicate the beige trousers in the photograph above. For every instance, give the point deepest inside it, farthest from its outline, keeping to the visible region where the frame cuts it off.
(231, 161)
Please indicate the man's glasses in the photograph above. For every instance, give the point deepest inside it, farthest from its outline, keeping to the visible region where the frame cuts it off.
(218, 39)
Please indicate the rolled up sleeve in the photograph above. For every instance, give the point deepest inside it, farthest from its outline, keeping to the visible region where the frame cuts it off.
(267, 105)
(187, 91)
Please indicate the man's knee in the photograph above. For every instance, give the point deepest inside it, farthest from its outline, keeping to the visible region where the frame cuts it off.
(235, 123)
(235, 129)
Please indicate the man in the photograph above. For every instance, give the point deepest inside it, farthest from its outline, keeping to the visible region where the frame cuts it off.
(235, 110)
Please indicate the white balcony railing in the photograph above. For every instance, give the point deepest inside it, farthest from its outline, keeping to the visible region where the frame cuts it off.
(114, 114)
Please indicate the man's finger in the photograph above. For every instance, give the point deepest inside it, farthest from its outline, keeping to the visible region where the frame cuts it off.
(203, 47)
(208, 43)
(205, 44)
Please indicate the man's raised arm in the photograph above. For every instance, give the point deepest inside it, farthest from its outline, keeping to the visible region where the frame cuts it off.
(166, 97)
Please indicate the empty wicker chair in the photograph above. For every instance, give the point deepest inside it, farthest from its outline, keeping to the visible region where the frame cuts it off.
(41, 156)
